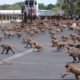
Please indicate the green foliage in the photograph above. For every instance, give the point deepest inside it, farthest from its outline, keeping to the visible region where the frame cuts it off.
(17, 6)
(70, 6)
(42, 6)
(4, 7)
(50, 6)
(56, 8)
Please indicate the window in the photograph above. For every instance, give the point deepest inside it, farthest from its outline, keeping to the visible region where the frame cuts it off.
(31, 3)
(35, 3)
(26, 2)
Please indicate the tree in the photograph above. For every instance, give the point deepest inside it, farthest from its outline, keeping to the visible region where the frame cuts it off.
(42, 6)
(60, 2)
(56, 8)
(78, 8)
(69, 6)
(16, 6)
(4, 7)
(49, 6)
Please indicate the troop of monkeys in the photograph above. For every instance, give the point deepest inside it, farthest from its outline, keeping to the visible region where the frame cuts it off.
(29, 43)
(33, 44)
(59, 43)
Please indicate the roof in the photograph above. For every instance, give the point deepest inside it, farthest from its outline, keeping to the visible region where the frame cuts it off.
(40, 12)
(50, 12)
(10, 11)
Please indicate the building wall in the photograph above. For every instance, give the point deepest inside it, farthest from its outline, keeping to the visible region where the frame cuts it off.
(12, 14)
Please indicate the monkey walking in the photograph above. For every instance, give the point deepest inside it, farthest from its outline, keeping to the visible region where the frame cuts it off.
(7, 48)
(75, 54)
(38, 47)
(60, 46)
(29, 42)
(71, 69)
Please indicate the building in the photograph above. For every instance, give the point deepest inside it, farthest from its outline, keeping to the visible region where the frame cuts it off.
(31, 7)
(10, 14)
(16, 14)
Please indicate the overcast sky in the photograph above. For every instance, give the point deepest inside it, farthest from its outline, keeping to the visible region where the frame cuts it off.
(14, 1)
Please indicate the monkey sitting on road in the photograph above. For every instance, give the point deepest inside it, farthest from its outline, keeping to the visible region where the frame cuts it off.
(7, 48)
(71, 69)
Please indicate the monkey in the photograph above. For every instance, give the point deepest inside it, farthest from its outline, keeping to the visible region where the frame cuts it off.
(78, 38)
(60, 46)
(64, 38)
(1, 38)
(71, 45)
(54, 42)
(19, 34)
(70, 48)
(73, 38)
(77, 46)
(71, 69)
(75, 54)
(7, 48)
(29, 42)
(38, 46)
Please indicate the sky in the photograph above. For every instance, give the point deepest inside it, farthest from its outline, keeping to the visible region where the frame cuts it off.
(40, 1)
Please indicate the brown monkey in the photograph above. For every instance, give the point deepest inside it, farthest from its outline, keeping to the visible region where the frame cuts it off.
(64, 38)
(29, 42)
(38, 46)
(71, 69)
(7, 48)
(75, 54)
(54, 42)
(61, 45)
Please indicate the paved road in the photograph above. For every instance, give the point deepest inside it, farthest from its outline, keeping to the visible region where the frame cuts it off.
(28, 64)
